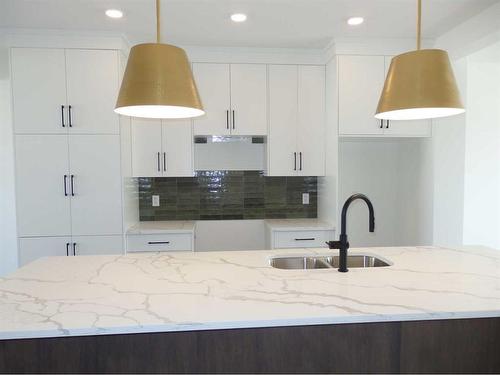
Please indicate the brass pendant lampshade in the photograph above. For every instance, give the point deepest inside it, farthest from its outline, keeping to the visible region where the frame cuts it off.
(419, 85)
(158, 82)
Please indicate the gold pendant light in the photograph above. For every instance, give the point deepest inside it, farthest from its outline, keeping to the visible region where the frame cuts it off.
(158, 82)
(419, 85)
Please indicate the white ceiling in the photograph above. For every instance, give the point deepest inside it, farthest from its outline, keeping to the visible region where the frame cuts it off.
(271, 23)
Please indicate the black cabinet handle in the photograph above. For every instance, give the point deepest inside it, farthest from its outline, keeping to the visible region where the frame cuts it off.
(70, 123)
(300, 161)
(387, 124)
(305, 239)
(294, 161)
(62, 117)
(67, 249)
(381, 124)
(72, 185)
(164, 162)
(158, 242)
(74, 248)
(158, 162)
(65, 185)
(234, 122)
(227, 119)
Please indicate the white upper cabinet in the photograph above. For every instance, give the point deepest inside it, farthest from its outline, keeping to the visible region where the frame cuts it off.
(92, 81)
(39, 91)
(177, 148)
(311, 121)
(248, 99)
(64, 91)
(296, 144)
(95, 184)
(162, 148)
(42, 185)
(213, 82)
(234, 97)
(146, 147)
(360, 79)
(283, 117)
(414, 128)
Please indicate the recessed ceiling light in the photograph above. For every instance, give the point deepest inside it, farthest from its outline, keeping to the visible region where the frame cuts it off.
(238, 17)
(354, 21)
(114, 13)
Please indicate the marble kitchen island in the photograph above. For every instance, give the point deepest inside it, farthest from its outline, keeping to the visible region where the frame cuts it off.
(236, 299)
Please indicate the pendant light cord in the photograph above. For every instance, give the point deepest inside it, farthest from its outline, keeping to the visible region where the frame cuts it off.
(419, 22)
(158, 21)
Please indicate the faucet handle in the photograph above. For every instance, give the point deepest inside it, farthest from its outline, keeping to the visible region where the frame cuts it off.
(334, 244)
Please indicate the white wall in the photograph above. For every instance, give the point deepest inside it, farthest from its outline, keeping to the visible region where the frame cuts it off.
(449, 163)
(8, 230)
(482, 145)
(396, 174)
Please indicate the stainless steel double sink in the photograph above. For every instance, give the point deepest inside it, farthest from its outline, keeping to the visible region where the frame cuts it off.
(319, 262)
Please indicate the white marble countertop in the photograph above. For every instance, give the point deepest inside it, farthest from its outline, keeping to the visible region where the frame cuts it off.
(160, 292)
(158, 227)
(298, 224)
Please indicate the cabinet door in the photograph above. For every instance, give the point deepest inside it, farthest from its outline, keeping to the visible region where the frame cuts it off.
(146, 148)
(177, 142)
(248, 99)
(92, 81)
(413, 128)
(282, 143)
(311, 123)
(361, 79)
(34, 248)
(212, 81)
(39, 90)
(43, 209)
(96, 245)
(96, 185)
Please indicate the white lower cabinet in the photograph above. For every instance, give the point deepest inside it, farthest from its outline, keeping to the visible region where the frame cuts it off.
(95, 185)
(96, 245)
(32, 248)
(299, 238)
(160, 242)
(37, 247)
(42, 185)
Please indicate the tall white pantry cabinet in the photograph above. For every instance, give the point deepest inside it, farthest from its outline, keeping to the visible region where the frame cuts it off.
(67, 145)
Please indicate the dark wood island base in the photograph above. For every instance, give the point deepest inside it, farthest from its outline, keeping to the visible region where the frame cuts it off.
(435, 346)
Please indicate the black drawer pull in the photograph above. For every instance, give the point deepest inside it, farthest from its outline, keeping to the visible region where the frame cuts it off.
(158, 242)
(305, 239)
(62, 117)
(70, 118)
(67, 249)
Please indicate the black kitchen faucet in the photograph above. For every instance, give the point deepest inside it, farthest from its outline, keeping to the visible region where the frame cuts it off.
(342, 244)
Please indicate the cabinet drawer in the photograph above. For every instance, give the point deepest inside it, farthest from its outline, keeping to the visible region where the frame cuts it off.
(309, 238)
(160, 242)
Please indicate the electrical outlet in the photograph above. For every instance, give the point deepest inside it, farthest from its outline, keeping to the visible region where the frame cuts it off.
(305, 198)
(156, 201)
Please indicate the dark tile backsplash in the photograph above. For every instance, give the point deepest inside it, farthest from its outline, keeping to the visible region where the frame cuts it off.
(227, 195)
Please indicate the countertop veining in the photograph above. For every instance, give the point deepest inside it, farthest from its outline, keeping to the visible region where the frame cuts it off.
(160, 292)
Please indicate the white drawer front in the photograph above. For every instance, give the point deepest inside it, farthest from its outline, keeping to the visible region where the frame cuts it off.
(310, 238)
(160, 242)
